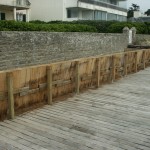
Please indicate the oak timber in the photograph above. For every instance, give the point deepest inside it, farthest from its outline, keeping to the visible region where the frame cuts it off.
(11, 113)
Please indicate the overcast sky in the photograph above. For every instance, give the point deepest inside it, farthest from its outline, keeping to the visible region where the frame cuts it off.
(144, 4)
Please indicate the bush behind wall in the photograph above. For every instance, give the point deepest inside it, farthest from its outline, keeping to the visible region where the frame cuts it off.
(22, 26)
(74, 26)
(106, 26)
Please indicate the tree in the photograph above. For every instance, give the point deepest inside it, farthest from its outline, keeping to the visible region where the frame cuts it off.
(131, 10)
(135, 7)
(147, 12)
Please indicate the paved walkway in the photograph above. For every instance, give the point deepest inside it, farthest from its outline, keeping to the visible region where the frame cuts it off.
(114, 117)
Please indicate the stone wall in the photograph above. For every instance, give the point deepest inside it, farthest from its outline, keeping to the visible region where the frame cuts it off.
(142, 39)
(19, 49)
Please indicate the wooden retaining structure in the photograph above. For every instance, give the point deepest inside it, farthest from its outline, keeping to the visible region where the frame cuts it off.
(29, 87)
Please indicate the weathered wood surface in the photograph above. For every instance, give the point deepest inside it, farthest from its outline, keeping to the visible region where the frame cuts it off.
(36, 86)
(114, 117)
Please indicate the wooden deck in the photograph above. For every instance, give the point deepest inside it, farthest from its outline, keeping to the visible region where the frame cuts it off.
(114, 117)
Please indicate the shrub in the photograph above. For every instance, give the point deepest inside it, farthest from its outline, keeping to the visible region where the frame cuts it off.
(110, 26)
(22, 26)
(117, 27)
(101, 26)
(74, 26)
(148, 26)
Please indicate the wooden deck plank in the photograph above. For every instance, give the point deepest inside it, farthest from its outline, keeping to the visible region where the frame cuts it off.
(60, 132)
(47, 143)
(64, 121)
(113, 117)
(6, 146)
(90, 128)
(134, 135)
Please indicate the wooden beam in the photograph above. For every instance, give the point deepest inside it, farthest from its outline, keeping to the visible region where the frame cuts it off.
(11, 111)
(77, 77)
(113, 68)
(49, 85)
(97, 72)
(125, 64)
(136, 62)
(144, 59)
(139, 47)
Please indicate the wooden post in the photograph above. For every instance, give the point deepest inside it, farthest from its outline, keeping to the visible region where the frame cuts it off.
(97, 72)
(144, 59)
(113, 68)
(11, 112)
(136, 62)
(77, 80)
(49, 85)
(125, 64)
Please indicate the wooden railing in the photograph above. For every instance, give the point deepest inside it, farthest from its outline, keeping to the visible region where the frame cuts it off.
(25, 88)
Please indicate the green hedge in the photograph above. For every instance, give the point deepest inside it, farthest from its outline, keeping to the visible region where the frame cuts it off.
(101, 26)
(117, 27)
(74, 26)
(22, 26)
(148, 26)
(106, 26)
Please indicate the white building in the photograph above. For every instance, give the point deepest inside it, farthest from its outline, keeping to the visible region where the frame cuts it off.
(14, 10)
(138, 14)
(68, 10)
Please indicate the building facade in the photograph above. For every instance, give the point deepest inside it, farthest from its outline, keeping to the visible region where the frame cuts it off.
(69, 10)
(138, 16)
(14, 10)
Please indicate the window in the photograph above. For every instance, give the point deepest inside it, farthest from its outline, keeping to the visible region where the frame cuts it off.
(122, 18)
(111, 17)
(68, 13)
(72, 13)
(18, 2)
(100, 15)
(21, 17)
(2, 16)
(87, 15)
(24, 18)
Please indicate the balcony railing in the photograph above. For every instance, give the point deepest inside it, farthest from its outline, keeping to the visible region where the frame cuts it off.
(103, 5)
(17, 3)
